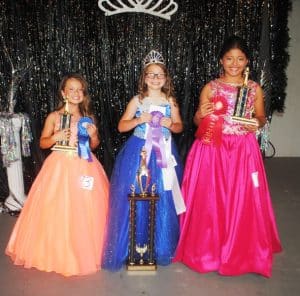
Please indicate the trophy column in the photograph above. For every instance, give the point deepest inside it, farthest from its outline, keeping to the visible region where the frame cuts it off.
(65, 122)
(136, 259)
(241, 103)
(136, 252)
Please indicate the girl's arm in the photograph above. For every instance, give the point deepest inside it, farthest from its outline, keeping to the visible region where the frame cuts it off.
(259, 111)
(259, 107)
(128, 120)
(48, 136)
(205, 106)
(94, 136)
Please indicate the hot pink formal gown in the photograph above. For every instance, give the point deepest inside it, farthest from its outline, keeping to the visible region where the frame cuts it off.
(61, 226)
(229, 225)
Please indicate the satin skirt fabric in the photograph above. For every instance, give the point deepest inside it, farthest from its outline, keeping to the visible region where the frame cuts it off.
(61, 226)
(229, 225)
(167, 223)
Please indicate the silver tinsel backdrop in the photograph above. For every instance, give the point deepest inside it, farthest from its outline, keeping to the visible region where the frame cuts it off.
(49, 38)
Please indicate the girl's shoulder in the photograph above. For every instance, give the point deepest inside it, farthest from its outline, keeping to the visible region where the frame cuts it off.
(252, 83)
(53, 115)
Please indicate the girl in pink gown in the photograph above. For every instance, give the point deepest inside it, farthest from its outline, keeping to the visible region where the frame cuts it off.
(229, 225)
(61, 225)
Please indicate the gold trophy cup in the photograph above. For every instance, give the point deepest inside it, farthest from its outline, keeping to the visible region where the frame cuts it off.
(65, 122)
(241, 103)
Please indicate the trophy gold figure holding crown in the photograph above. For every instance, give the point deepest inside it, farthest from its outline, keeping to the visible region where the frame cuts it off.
(241, 103)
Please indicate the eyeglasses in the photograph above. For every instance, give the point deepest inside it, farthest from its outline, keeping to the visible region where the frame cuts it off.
(153, 75)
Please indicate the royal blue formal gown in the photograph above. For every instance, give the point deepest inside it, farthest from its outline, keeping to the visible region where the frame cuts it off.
(123, 176)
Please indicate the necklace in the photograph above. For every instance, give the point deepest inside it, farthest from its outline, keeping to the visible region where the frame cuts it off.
(231, 83)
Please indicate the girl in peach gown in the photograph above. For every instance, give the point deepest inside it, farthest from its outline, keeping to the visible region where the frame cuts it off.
(62, 223)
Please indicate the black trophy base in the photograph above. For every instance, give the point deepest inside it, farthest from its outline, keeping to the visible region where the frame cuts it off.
(64, 148)
(243, 120)
(145, 266)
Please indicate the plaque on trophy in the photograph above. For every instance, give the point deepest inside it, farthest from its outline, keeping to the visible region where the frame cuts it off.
(239, 114)
(65, 123)
(141, 256)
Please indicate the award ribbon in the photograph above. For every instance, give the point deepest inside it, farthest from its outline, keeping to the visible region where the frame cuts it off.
(210, 128)
(84, 150)
(155, 140)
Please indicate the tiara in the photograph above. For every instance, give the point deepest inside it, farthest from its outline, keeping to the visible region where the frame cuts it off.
(111, 7)
(153, 57)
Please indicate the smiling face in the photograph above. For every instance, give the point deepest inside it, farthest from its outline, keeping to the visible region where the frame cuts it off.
(234, 62)
(155, 77)
(74, 91)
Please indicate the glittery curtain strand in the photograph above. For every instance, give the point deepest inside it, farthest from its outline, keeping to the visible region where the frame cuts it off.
(59, 36)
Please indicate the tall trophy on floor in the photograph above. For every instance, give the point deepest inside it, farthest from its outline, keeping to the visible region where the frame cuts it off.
(141, 256)
(239, 114)
(65, 123)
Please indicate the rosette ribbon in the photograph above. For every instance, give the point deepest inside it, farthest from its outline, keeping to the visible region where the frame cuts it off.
(84, 150)
(155, 140)
(210, 129)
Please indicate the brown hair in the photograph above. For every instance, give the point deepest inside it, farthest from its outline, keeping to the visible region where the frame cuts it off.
(167, 89)
(85, 107)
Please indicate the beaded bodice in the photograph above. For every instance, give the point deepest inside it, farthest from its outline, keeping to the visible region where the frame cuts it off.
(230, 92)
(144, 106)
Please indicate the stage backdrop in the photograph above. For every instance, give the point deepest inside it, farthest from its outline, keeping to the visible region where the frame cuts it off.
(44, 40)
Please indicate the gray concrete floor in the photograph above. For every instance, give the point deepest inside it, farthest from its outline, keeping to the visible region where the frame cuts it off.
(177, 279)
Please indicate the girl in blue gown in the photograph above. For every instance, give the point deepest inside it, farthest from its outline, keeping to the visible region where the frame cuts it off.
(154, 115)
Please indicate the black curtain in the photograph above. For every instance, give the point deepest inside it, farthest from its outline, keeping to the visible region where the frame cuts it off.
(60, 36)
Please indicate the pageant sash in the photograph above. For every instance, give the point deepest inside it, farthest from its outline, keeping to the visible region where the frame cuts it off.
(210, 128)
(155, 140)
(84, 150)
(170, 179)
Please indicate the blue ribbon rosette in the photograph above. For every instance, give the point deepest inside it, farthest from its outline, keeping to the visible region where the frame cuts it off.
(84, 150)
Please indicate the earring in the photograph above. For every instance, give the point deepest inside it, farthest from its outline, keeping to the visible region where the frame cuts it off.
(221, 70)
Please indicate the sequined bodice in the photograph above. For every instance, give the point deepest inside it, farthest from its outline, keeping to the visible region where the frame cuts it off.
(73, 127)
(144, 106)
(229, 92)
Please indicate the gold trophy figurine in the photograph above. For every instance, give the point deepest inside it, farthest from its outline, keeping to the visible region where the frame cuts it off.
(241, 103)
(143, 174)
(65, 122)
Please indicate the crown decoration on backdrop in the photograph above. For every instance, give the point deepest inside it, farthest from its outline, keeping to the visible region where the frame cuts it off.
(161, 8)
(153, 57)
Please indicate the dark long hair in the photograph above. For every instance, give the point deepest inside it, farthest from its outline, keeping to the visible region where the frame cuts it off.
(233, 42)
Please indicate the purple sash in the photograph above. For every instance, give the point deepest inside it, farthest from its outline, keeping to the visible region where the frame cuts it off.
(155, 140)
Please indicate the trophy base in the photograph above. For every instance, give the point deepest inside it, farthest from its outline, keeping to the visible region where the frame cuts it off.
(243, 120)
(141, 267)
(64, 148)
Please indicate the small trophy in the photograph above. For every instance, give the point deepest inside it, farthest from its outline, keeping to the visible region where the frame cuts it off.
(141, 251)
(141, 257)
(241, 103)
(65, 122)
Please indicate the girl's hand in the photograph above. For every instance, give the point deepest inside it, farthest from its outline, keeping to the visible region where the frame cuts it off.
(205, 109)
(92, 130)
(251, 127)
(144, 118)
(166, 122)
(62, 135)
